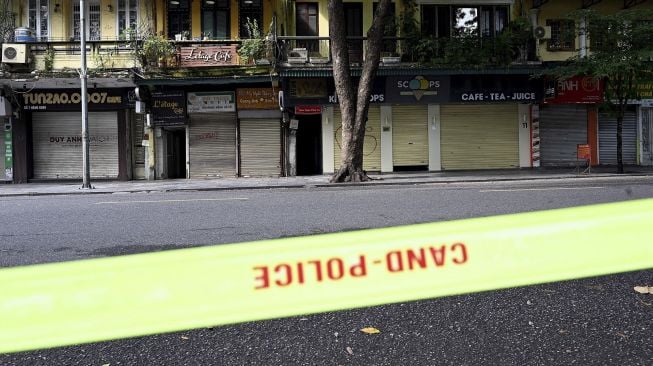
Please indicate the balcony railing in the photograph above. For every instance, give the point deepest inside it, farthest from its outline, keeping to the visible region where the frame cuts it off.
(307, 51)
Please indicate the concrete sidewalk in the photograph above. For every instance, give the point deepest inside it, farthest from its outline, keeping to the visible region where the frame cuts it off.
(408, 178)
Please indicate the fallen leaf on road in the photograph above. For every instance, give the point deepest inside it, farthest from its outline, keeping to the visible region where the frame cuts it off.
(350, 351)
(184, 337)
(370, 330)
(644, 289)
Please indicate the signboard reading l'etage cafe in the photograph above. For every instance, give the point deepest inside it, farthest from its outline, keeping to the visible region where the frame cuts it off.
(169, 108)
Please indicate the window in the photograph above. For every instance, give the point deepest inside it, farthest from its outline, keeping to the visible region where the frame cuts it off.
(127, 15)
(443, 21)
(37, 18)
(93, 28)
(390, 30)
(563, 37)
(252, 10)
(215, 19)
(306, 18)
(178, 17)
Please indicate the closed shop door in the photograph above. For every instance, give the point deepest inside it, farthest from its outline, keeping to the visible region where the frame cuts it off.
(260, 147)
(608, 138)
(212, 145)
(57, 144)
(482, 136)
(410, 140)
(562, 127)
(371, 145)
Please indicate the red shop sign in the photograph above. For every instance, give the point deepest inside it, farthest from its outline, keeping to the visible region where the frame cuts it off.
(308, 109)
(577, 89)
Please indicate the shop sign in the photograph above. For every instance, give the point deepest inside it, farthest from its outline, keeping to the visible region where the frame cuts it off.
(201, 56)
(524, 96)
(257, 98)
(308, 88)
(575, 90)
(308, 109)
(9, 163)
(645, 90)
(71, 100)
(377, 96)
(494, 89)
(420, 89)
(168, 108)
(207, 102)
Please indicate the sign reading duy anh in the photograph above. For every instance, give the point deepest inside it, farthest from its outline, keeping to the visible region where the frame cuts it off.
(207, 102)
(71, 100)
(201, 56)
(257, 98)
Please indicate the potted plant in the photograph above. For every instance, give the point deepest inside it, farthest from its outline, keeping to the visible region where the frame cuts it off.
(156, 50)
(258, 47)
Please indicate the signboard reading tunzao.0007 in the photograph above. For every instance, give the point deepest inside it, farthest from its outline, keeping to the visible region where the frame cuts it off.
(71, 100)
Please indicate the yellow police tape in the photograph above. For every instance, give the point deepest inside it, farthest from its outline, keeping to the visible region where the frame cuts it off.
(100, 299)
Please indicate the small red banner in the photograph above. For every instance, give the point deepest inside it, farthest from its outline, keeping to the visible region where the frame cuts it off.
(584, 151)
(308, 109)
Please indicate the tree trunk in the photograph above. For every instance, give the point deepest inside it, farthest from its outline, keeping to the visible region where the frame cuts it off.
(353, 105)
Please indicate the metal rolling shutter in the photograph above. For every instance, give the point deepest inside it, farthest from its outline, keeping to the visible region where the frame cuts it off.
(410, 140)
(58, 147)
(484, 136)
(562, 127)
(212, 145)
(608, 138)
(371, 145)
(260, 147)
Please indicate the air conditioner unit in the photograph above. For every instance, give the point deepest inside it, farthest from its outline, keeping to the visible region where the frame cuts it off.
(542, 32)
(14, 53)
(298, 55)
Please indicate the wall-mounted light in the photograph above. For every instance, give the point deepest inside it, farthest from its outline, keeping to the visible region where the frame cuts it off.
(210, 2)
(57, 7)
(174, 2)
(110, 8)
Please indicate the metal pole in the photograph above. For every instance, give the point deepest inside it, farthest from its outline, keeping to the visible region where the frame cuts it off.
(86, 177)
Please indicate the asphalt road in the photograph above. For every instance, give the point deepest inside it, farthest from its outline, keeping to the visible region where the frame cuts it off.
(598, 321)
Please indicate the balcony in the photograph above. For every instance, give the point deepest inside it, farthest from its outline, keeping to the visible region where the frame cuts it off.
(462, 52)
(158, 56)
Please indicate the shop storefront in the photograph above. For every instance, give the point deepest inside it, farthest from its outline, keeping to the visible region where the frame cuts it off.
(407, 129)
(569, 117)
(56, 133)
(608, 138)
(259, 132)
(212, 134)
(646, 118)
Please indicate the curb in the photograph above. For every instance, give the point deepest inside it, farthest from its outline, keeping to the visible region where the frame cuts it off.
(375, 182)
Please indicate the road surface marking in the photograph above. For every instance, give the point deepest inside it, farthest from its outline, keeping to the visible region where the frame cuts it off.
(538, 189)
(166, 201)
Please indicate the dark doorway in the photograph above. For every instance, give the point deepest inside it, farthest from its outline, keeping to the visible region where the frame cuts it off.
(354, 28)
(309, 145)
(306, 17)
(176, 153)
